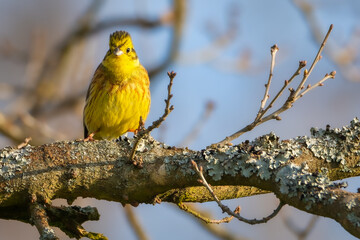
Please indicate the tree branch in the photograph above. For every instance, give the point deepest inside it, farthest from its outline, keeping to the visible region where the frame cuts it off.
(298, 171)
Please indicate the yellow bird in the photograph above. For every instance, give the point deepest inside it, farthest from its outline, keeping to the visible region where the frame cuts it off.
(118, 94)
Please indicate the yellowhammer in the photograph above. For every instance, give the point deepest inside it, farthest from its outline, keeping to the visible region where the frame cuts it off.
(118, 94)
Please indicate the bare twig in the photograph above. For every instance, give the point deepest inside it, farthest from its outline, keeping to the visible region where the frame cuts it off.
(186, 208)
(345, 57)
(168, 109)
(216, 230)
(25, 143)
(302, 64)
(226, 209)
(293, 96)
(316, 60)
(320, 83)
(274, 50)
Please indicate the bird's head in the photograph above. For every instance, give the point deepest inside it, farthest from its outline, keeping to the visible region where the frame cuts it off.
(121, 51)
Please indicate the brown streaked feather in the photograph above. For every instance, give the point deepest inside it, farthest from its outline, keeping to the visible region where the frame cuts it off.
(98, 75)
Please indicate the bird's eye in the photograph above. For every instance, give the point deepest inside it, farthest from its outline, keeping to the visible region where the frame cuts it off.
(128, 50)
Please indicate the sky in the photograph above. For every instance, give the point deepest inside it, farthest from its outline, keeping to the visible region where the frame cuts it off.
(236, 92)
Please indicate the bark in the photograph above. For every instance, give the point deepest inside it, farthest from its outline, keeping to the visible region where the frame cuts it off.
(300, 172)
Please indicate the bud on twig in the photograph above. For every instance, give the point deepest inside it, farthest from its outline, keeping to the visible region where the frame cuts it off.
(302, 63)
(306, 72)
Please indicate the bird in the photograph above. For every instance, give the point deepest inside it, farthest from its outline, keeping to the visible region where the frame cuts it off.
(118, 98)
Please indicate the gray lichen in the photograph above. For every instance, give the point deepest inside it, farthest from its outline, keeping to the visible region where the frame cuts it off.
(334, 145)
(352, 203)
(267, 157)
(47, 234)
(12, 160)
(355, 220)
(295, 180)
(236, 160)
(178, 161)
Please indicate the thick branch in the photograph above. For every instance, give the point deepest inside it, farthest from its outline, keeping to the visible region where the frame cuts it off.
(299, 171)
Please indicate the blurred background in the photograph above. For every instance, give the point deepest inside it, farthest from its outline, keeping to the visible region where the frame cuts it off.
(220, 50)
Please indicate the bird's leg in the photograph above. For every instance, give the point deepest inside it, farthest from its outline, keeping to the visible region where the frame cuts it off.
(141, 126)
(90, 137)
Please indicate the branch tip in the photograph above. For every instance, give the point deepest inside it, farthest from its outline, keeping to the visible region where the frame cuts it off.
(171, 74)
(274, 49)
(302, 64)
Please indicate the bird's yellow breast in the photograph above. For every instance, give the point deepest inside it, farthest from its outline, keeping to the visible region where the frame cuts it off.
(115, 107)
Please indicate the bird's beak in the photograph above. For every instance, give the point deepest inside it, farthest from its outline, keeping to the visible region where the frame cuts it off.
(118, 52)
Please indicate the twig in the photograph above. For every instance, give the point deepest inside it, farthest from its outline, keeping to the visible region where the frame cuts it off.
(316, 60)
(293, 96)
(186, 208)
(25, 143)
(320, 83)
(134, 223)
(302, 64)
(274, 50)
(344, 57)
(40, 220)
(226, 209)
(157, 123)
(216, 230)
